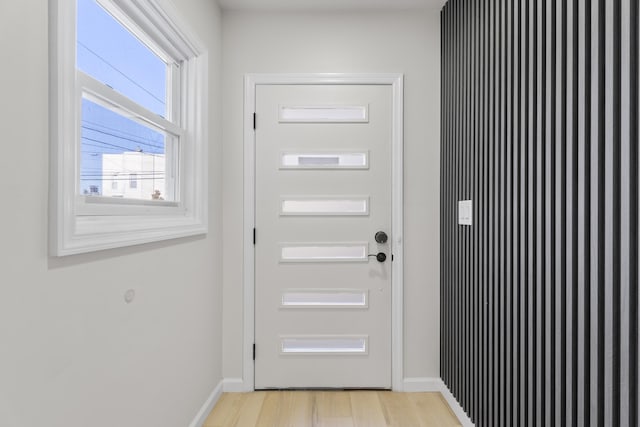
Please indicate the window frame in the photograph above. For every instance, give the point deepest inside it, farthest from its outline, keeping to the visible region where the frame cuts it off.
(80, 223)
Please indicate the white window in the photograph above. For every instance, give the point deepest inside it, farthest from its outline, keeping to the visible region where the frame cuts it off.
(128, 99)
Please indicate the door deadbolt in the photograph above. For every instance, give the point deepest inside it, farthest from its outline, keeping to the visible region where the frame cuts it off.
(380, 256)
(381, 237)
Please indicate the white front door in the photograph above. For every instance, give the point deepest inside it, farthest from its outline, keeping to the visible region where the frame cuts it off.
(323, 191)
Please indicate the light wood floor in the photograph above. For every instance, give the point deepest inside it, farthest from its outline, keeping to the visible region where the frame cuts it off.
(331, 408)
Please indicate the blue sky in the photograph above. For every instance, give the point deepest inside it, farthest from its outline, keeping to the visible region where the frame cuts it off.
(112, 55)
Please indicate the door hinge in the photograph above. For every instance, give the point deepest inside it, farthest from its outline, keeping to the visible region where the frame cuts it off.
(254, 121)
(254, 236)
(254, 351)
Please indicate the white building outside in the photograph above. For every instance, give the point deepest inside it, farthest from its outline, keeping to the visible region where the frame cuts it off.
(133, 175)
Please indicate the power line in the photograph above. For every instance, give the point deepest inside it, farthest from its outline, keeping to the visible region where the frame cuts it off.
(115, 179)
(111, 154)
(120, 72)
(128, 149)
(117, 149)
(106, 143)
(120, 131)
(126, 175)
(119, 174)
(121, 137)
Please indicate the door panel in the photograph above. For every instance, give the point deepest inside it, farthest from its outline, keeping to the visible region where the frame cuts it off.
(323, 189)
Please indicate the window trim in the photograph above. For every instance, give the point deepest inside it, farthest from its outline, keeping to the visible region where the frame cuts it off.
(79, 225)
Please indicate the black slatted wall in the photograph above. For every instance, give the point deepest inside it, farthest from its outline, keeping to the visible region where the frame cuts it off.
(540, 129)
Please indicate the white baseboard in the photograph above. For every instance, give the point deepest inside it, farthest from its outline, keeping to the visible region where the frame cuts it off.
(416, 385)
(234, 385)
(436, 384)
(455, 407)
(207, 407)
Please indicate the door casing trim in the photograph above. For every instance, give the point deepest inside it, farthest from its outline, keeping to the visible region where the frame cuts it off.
(396, 81)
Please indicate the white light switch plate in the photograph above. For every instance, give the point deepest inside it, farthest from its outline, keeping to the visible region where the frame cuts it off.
(465, 212)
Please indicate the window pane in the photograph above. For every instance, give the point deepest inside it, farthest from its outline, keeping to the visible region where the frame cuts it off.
(335, 344)
(323, 161)
(315, 114)
(328, 206)
(324, 253)
(108, 52)
(324, 298)
(120, 157)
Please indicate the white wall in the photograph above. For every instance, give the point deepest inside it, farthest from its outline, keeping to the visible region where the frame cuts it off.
(406, 42)
(72, 353)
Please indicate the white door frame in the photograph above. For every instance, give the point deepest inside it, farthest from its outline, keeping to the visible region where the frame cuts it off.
(396, 81)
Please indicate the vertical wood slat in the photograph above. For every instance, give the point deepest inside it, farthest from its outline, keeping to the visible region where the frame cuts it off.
(465, 172)
(554, 209)
(569, 196)
(458, 155)
(519, 218)
(450, 207)
(624, 13)
(581, 371)
(600, 176)
(575, 330)
(484, 218)
(634, 255)
(506, 216)
(563, 142)
(528, 330)
(532, 284)
(591, 228)
(472, 277)
(546, 213)
(609, 393)
(616, 215)
(540, 129)
(444, 258)
(443, 205)
(501, 166)
(534, 405)
(492, 213)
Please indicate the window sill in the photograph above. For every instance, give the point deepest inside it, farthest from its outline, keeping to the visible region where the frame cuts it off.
(94, 233)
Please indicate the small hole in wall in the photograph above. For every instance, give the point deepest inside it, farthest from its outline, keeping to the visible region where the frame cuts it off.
(129, 296)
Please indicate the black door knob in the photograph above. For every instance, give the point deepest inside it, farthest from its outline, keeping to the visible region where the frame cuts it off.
(381, 237)
(380, 256)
